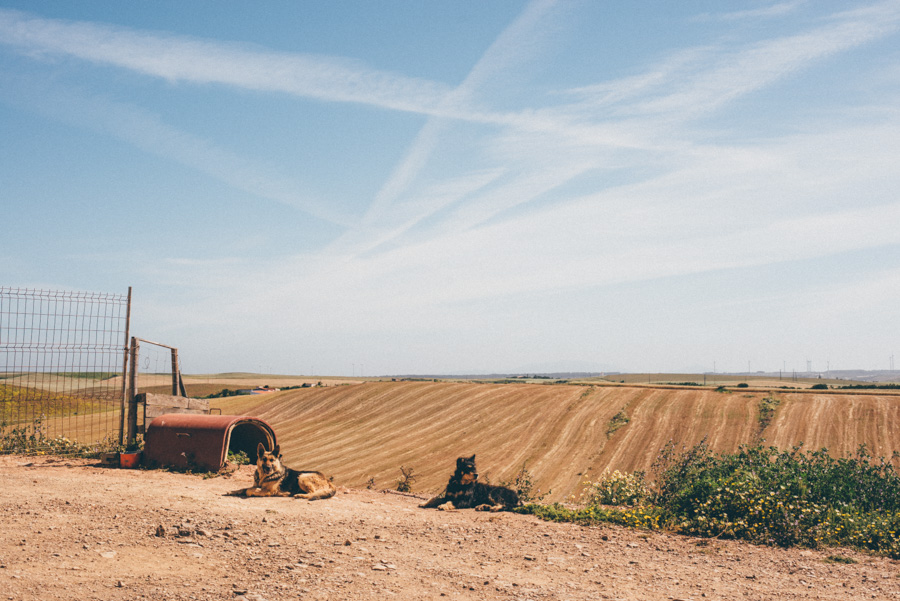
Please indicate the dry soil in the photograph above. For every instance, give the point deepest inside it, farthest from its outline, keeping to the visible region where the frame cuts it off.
(72, 529)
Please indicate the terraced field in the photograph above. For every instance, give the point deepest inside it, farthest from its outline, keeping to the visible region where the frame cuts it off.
(562, 433)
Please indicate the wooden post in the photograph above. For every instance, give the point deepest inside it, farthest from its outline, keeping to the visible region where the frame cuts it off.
(177, 382)
(132, 391)
(174, 353)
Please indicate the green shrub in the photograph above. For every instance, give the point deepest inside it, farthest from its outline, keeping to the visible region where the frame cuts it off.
(644, 517)
(238, 458)
(759, 494)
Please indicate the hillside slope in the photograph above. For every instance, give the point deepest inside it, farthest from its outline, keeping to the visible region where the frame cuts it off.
(360, 431)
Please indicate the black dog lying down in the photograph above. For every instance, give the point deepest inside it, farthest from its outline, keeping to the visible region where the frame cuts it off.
(464, 492)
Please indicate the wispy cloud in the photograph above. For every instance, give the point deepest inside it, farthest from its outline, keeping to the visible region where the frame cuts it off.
(779, 9)
(507, 51)
(640, 121)
(180, 59)
(694, 82)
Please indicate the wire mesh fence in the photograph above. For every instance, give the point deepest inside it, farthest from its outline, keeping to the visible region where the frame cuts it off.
(62, 369)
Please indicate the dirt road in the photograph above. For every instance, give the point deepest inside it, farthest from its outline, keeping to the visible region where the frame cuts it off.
(74, 530)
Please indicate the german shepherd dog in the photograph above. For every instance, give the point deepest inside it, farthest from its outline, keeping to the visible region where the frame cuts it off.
(464, 491)
(273, 479)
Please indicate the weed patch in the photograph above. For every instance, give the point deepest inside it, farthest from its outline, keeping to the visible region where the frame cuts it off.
(32, 439)
(767, 407)
(523, 484)
(406, 479)
(617, 421)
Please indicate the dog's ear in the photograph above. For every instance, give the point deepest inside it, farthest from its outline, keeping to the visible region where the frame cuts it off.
(277, 451)
(459, 462)
(260, 450)
(472, 458)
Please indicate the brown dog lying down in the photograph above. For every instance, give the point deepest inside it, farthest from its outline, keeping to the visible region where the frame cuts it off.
(273, 479)
(463, 491)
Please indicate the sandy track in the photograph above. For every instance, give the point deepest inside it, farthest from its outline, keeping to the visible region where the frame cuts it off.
(75, 531)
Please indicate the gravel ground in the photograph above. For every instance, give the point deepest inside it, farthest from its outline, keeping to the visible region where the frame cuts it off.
(74, 530)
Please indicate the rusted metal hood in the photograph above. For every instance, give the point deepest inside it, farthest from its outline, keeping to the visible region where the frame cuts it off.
(202, 442)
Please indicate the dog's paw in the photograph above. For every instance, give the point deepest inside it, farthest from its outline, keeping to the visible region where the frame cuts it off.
(448, 506)
(484, 507)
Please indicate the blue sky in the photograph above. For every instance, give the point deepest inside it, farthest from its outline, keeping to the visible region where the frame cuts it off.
(377, 188)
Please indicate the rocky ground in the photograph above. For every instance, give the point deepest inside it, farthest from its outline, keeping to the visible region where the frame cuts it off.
(74, 530)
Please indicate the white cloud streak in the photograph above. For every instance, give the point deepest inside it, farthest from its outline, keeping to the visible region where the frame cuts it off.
(503, 54)
(778, 9)
(175, 59)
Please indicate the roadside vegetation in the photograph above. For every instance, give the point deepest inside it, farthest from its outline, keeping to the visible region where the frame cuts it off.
(32, 439)
(758, 494)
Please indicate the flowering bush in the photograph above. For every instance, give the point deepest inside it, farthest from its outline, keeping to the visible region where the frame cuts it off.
(615, 488)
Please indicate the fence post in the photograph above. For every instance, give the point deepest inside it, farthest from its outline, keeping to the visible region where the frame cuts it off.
(125, 371)
(177, 382)
(132, 391)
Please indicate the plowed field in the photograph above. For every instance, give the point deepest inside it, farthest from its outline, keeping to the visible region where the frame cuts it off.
(362, 431)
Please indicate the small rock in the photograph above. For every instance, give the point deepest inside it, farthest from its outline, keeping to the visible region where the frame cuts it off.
(160, 531)
(529, 558)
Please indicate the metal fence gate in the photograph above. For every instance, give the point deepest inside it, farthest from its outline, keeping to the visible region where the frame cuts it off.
(63, 360)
